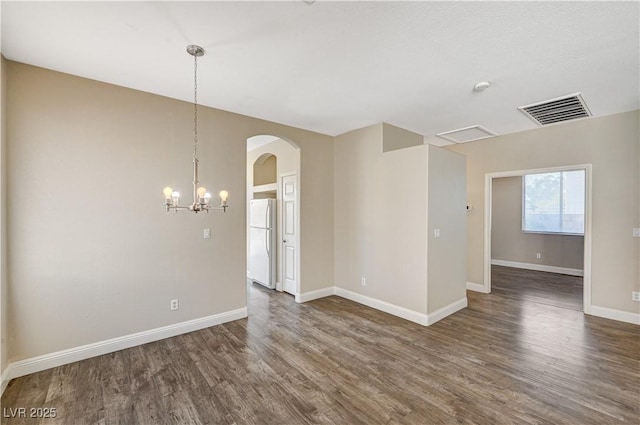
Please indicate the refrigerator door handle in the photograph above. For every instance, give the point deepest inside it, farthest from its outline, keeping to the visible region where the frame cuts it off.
(267, 223)
(266, 242)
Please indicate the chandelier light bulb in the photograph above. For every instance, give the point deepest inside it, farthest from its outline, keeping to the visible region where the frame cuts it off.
(207, 198)
(201, 191)
(167, 192)
(175, 195)
(223, 196)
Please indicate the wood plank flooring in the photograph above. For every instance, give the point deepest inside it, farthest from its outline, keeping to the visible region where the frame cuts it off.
(506, 359)
(539, 287)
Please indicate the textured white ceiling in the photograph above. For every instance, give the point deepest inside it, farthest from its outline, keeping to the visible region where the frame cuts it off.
(333, 67)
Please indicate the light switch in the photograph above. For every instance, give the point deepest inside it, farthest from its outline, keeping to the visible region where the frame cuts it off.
(206, 233)
(436, 233)
(636, 232)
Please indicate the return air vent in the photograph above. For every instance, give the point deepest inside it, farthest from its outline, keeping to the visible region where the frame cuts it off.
(564, 108)
(467, 134)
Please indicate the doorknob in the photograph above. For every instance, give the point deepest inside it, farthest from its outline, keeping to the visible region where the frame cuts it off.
(284, 241)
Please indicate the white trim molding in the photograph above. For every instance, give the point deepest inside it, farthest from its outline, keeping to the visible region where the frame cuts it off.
(59, 358)
(377, 304)
(4, 380)
(314, 295)
(402, 312)
(476, 287)
(610, 313)
(447, 310)
(537, 267)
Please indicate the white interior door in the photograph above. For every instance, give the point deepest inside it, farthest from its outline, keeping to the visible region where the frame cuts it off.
(289, 234)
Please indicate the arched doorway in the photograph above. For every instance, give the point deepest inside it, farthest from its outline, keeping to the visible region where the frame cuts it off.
(273, 167)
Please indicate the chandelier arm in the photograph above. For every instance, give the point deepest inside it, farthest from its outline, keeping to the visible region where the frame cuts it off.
(222, 208)
(177, 207)
(196, 209)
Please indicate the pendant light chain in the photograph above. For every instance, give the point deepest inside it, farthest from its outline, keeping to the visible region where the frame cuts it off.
(195, 107)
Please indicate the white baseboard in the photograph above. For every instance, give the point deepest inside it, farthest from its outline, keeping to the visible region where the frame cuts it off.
(393, 309)
(610, 313)
(538, 267)
(476, 287)
(404, 313)
(59, 358)
(445, 311)
(314, 295)
(4, 380)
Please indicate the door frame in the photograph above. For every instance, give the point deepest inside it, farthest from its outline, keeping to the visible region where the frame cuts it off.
(488, 198)
(297, 229)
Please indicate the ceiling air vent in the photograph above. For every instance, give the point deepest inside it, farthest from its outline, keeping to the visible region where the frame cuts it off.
(467, 134)
(563, 108)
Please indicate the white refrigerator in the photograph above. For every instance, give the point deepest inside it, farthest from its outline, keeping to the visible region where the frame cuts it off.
(262, 242)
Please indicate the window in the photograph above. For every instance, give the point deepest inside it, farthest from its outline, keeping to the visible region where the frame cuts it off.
(554, 202)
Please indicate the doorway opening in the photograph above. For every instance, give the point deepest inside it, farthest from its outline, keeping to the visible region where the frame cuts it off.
(273, 211)
(515, 253)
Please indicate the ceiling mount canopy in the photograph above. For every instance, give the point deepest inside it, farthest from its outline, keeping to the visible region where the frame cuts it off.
(195, 50)
(201, 198)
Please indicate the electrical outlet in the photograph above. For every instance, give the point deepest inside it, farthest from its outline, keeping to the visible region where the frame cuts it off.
(436, 233)
(206, 233)
(174, 304)
(538, 256)
(364, 281)
(635, 296)
(636, 232)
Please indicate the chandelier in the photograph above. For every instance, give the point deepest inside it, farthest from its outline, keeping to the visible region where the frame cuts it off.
(201, 198)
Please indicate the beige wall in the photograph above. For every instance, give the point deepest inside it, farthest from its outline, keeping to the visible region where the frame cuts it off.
(387, 205)
(398, 138)
(288, 160)
(98, 257)
(265, 170)
(510, 243)
(380, 219)
(447, 275)
(3, 218)
(612, 145)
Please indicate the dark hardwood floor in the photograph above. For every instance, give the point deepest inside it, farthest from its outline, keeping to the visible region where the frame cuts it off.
(539, 287)
(506, 359)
